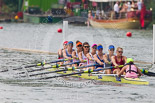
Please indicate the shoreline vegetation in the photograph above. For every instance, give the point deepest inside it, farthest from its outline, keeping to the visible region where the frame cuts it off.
(9, 9)
(150, 4)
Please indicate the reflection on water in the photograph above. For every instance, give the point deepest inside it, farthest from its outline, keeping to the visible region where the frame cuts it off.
(15, 89)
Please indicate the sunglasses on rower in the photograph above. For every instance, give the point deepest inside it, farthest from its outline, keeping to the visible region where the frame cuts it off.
(86, 46)
(95, 47)
(70, 45)
(111, 49)
(100, 49)
(120, 51)
(79, 46)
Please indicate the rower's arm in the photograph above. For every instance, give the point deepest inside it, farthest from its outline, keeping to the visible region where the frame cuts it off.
(122, 71)
(64, 54)
(125, 58)
(74, 54)
(97, 60)
(80, 56)
(139, 72)
(59, 52)
(88, 56)
(114, 61)
(105, 59)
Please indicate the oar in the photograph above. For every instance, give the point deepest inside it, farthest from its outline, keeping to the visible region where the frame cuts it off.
(51, 66)
(148, 73)
(71, 73)
(95, 70)
(82, 71)
(65, 69)
(39, 64)
(55, 66)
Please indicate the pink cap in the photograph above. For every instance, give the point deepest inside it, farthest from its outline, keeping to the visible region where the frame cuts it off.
(94, 45)
(65, 42)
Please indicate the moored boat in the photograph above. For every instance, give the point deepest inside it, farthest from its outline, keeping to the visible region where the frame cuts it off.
(128, 17)
(128, 23)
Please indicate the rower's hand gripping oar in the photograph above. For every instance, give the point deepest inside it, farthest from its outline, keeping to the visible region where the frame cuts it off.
(39, 64)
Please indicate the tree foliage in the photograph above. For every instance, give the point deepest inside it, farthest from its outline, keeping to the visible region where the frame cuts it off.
(10, 5)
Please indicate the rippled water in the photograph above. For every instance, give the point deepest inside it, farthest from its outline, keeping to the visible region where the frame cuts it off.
(66, 90)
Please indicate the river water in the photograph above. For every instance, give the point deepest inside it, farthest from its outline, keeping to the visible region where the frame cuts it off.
(45, 37)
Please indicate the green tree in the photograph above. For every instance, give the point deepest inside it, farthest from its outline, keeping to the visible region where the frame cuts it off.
(12, 5)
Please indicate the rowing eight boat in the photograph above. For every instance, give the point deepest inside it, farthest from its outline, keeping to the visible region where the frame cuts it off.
(106, 77)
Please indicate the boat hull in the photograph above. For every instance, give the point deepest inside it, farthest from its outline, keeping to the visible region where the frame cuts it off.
(107, 78)
(118, 24)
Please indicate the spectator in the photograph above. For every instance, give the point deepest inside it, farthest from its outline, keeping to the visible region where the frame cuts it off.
(116, 9)
(129, 7)
(124, 9)
(139, 5)
(97, 12)
(133, 5)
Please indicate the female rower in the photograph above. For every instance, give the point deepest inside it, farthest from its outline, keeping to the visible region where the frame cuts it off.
(68, 52)
(117, 60)
(100, 57)
(76, 53)
(131, 69)
(108, 58)
(60, 51)
(90, 56)
(82, 55)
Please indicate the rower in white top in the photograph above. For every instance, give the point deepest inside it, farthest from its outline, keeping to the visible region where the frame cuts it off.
(82, 55)
(90, 56)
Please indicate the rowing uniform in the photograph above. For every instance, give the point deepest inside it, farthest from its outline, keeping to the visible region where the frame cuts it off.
(74, 59)
(84, 58)
(91, 62)
(69, 55)
(121, 62)
(108, 65)
(98, 65)
(131, 71)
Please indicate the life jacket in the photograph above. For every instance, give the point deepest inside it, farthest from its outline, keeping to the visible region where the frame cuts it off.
(130, 69)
